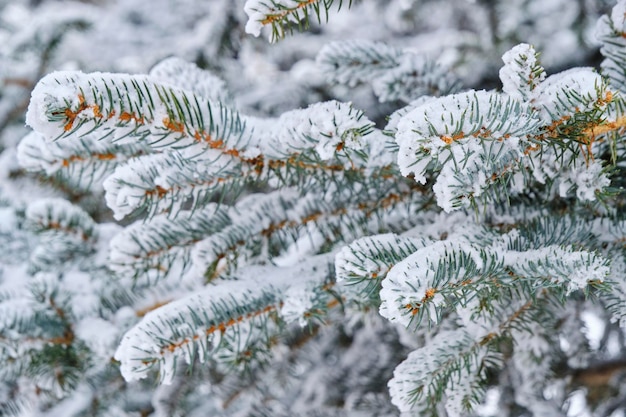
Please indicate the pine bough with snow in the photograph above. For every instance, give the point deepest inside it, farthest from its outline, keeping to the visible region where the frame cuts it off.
(482, 225)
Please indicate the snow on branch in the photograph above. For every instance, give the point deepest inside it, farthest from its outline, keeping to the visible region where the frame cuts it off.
(161, 247)
(185, 75)
(56, 215)
(245, 218)
(66, 233)
(366, 261)
(357, 61)
(122, 106)
(328, 127)
(282, 15)
(521, 72)
(297, 148)
(229, 324)
(82, 162)
(165, 182)
(197, 326)
(395, 74)
(446, 275)
(560, 96)
(611, 32)
(253, 218)
(285, 219)
(549, 230)
(344, 215)
(207, 146)
(417, 75)
(473, 139)
(450, 368)
(428, 134)
(438, 276)
(551, 265)
(394, 119)
(480, 145)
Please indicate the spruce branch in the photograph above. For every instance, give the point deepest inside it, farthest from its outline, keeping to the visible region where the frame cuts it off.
(189, 77)
(245, 216)
(167, 182)
(60, 216)
(427, 134)
(119, 106)
(449, 368)
(283, 220)
(395, 74)
(283, 15)
(253, 219)
(364, 263)
(549, 230)
(208, 153)
(83, 163)
(451, 138)
(161, 247)
(521, 72)
(556, 266)
(353, 62)
(452, 368)
(67, 233)
(435, 278)
(610, 31)
(223, 324)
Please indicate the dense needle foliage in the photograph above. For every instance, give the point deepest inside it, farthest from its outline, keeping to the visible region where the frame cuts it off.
(312, 208)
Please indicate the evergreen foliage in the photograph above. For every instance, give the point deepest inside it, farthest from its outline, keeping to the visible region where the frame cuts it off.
(255, 258)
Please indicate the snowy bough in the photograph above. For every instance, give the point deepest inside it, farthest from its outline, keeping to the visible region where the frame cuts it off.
(480, 223)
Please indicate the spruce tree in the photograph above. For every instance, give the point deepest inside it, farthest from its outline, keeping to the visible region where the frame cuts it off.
(182, 242)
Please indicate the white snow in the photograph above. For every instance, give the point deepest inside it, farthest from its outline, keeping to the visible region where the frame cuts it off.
(323, 125)
(517, 74)
(182, 74)
(427, 134)
(298, 302)
(589, 180)
(159, 339)
(418, 369)
(572, 268)
(556, 96)
(409, 280)
(259, 10)
(99, 335)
